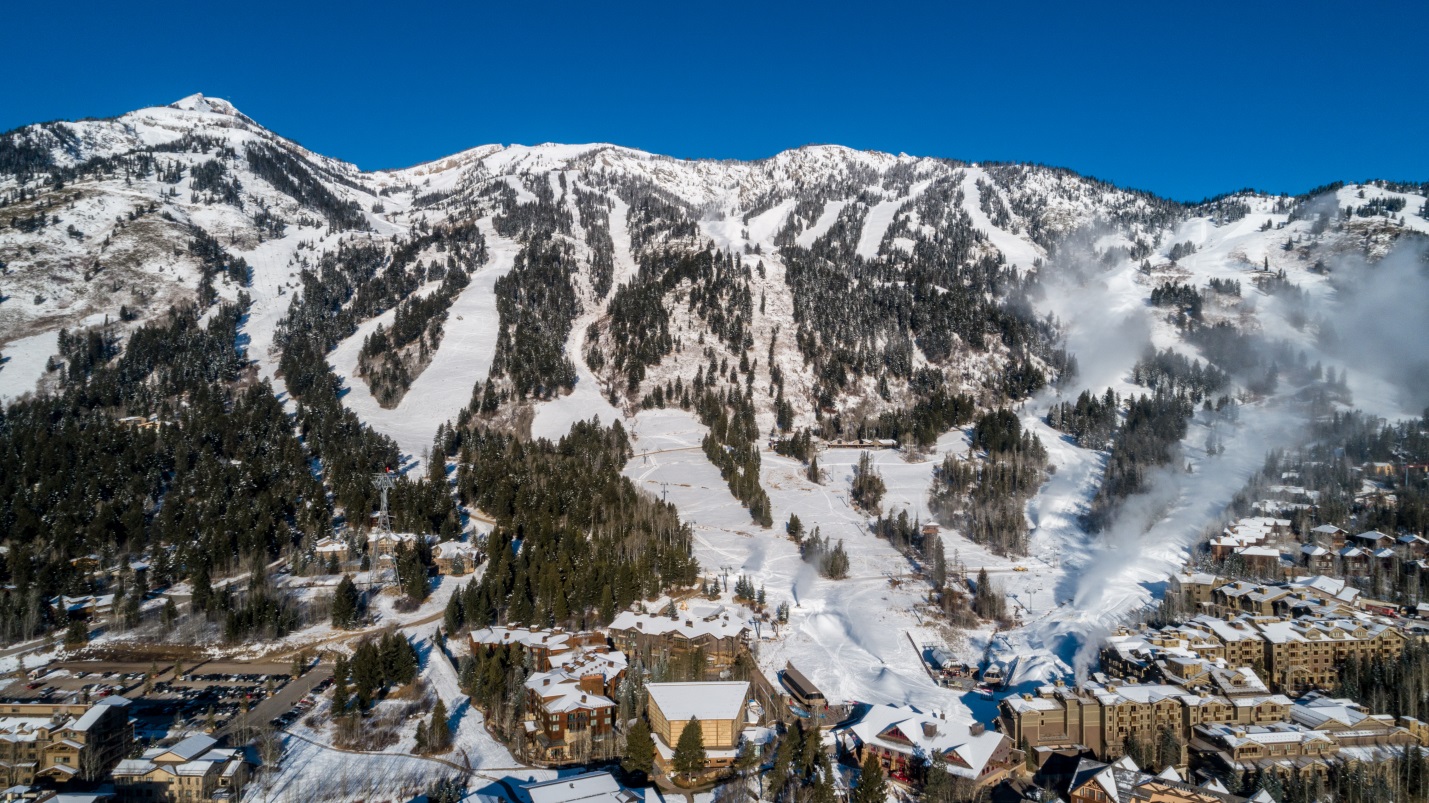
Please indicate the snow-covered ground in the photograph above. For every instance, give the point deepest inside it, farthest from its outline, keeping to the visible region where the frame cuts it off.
(585, 401)
(24, 363)
(461, 363)
(314, 772)
(855, 637)
(821, 226)
(311, 769)
(880, 217)
(1016, 250)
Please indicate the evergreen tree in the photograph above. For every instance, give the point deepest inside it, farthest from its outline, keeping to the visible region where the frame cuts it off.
(452, 617)
(439, 734)
(340, 694)
(1168, 748)
(836, 563)
(344, 604)
(784, 758)
(639, 749)
(872, 785)
(690, 749)
(867, 489)
(988, 601)
(938, 572)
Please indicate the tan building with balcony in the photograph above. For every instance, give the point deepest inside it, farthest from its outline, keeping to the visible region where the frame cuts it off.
(61, 742)
(1104, 718)
(191, 771)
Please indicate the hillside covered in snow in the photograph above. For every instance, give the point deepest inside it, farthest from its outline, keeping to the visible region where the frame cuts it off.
(182, 268)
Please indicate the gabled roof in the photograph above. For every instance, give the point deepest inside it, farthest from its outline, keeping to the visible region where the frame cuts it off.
(1087, 771)
(553, 640)
(450, 550)
(560, 689)
(964, 743)
(186, 750)
(98, 710)
(720, 626)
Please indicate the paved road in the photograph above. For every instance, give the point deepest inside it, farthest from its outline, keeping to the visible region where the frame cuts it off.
(279, 703)
(35, 645)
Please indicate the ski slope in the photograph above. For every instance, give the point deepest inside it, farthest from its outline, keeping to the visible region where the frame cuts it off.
(851, 636)
(462, 361)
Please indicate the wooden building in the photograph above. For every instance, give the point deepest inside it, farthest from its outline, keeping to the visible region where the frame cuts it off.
(719, 707)
(801, 689)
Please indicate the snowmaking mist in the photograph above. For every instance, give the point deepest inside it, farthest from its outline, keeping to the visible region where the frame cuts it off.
(1368, 323)
(1104, 318)
(1375, 327)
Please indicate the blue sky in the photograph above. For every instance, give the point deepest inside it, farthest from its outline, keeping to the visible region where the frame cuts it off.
(1186, 99)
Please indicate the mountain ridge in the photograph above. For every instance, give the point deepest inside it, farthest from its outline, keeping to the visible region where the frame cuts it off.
(201, 103)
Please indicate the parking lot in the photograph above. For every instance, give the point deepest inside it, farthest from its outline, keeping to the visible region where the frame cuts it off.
(208, 695)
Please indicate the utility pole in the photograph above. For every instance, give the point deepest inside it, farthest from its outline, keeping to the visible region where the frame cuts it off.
(726, 570)
(664, 490)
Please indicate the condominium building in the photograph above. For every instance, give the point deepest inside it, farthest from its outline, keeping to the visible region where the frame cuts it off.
(719, 637)
(194, 770)
(1106, 717)
(61, 742)
(546, 647)
(571, 707)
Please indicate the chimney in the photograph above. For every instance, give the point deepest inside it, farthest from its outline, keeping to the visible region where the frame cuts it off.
(977, 729)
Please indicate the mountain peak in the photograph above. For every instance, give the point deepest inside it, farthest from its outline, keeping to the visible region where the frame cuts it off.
(198, 103)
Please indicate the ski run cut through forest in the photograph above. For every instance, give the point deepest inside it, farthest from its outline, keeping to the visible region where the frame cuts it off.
(559, 472)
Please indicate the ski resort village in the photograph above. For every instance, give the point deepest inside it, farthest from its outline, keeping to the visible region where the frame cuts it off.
(580, 474)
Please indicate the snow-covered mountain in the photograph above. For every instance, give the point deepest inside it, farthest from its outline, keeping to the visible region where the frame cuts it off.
(106, 220)
(864, 294)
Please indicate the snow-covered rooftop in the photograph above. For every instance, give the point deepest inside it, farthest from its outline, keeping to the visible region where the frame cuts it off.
(710, 700)
(589, 787)
(965, 743)
(721, 626)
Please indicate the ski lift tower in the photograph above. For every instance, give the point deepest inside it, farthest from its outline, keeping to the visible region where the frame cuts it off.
(383, 483)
